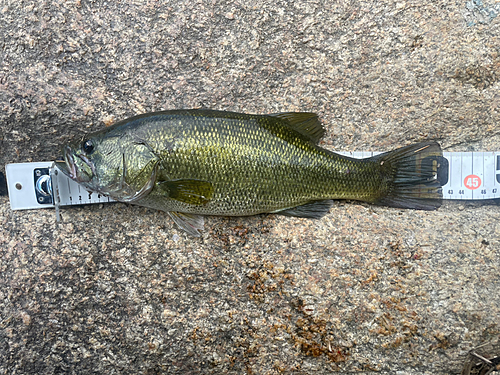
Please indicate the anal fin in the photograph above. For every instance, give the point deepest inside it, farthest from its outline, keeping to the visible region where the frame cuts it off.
(312, 210)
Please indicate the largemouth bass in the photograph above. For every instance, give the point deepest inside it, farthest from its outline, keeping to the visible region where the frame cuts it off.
(191, 163)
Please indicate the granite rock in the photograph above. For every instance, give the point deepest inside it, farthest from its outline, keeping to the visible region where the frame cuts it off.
(118, 289)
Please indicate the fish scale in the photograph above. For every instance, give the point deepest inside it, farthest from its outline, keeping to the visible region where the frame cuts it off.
(259, 163)
(203, 162)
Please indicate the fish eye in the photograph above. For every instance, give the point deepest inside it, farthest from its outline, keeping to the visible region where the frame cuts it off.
(88, 146)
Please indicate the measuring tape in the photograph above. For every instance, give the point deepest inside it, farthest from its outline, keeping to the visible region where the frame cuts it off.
(43, 185)
(463, 176)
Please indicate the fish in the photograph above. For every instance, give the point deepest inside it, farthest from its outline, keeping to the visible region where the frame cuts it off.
(196, 162)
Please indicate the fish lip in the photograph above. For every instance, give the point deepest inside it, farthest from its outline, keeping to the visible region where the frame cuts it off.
(68, 167)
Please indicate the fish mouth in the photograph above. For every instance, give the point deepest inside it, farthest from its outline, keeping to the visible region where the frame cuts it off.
(70, 166)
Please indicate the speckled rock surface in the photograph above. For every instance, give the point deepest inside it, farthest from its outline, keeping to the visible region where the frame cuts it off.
(117, 289)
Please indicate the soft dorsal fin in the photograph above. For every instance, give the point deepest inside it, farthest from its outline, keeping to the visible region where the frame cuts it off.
(305, 123)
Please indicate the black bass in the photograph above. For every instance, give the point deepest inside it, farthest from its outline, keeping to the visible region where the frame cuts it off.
(191, 163)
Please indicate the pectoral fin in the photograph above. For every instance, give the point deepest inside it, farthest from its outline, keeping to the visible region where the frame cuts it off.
(193, 224)
(194, 192)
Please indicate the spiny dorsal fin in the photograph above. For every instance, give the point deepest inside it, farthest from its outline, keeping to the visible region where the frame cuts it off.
(194, 192)
(305, 123)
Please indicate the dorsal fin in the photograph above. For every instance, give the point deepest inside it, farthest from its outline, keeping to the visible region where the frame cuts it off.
(305, 123)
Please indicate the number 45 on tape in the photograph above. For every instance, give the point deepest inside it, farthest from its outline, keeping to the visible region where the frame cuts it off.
(472, 182)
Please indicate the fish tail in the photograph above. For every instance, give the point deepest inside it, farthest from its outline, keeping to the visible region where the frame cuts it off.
(409, 177)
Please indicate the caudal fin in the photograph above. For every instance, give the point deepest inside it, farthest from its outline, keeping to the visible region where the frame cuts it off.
(410, 177)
